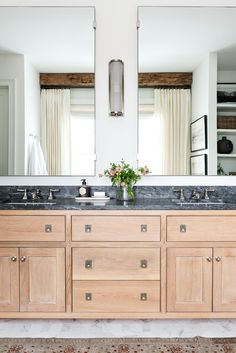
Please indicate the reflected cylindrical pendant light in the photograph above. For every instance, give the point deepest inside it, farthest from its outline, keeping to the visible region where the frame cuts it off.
(116, 87)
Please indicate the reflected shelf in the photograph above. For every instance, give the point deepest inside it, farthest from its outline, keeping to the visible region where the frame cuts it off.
(226, 155)
(226, 131)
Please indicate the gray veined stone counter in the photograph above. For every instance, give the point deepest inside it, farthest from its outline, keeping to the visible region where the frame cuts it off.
(138, 204)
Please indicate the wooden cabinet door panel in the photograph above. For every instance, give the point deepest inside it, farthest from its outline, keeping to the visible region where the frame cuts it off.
(42, 279)
(224, 290)
(201, 228)
(9, 279)
(189, 280)
(32, 228)
(116, 296)
(116, 264)
(115, 228)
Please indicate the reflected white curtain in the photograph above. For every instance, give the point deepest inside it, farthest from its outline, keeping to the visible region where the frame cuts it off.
(173, 108)
(55, 130)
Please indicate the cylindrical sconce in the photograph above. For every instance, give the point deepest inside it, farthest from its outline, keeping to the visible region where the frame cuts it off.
(116, 87)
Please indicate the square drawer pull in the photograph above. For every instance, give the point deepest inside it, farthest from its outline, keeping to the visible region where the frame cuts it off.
(88, 228)
(88, 296)
(143, 264)
(183, 228)
(143, 297)
(88, 264)
(143, 228)
(48, 228)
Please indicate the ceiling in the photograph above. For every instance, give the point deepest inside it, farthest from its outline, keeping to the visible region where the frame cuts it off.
(178, 39)
(54, 39)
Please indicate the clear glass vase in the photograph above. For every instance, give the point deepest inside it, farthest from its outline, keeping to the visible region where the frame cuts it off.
(124, 193)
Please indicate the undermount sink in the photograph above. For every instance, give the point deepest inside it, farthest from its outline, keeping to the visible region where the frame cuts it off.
(201, 203)
(32, 203)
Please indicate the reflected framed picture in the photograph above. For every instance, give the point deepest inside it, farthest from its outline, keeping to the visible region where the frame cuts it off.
(199, 134)
(198, 164)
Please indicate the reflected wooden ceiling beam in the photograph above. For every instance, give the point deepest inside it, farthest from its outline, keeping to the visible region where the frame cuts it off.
(165, 79)
(67, 80)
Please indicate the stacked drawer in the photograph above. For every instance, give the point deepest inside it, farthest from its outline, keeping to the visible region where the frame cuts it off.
(116, 273)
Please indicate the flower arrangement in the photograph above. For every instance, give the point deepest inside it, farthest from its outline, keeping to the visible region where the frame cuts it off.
(123, 176)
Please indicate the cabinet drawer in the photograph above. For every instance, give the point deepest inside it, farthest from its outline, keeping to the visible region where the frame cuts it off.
(116, 264)
(201, 228)
(116, 296)
(32, 228)
(115, 228)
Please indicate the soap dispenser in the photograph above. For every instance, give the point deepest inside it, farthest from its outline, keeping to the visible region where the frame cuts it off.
(84, 190)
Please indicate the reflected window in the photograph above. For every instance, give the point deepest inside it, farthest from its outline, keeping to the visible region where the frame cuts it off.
(82, 131)
(150, 133)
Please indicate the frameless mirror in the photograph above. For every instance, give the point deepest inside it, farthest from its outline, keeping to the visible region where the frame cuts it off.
(187, 90)
(47, 113)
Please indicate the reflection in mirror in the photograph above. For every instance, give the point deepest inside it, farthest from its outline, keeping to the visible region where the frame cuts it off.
(47, 113)
(185, 56)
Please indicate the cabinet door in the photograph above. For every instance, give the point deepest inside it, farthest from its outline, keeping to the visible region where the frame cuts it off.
(224, 290)
(42, 279)
(189, 280)
(9, 279)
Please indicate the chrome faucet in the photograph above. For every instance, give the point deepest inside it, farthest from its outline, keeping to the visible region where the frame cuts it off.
(35, 194)
(25, 196)
(195, 195)
(181, 194)
(206, 193)
(51, 193)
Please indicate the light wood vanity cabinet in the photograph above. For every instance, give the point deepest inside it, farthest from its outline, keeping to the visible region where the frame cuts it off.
(118, 264)
(121, 275)
(9, 279)
(201, 278)
(32, 279)
(116, 228)
(32, 228)
(32, 262)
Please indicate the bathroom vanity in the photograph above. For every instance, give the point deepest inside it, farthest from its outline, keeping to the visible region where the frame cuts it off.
(147, 259)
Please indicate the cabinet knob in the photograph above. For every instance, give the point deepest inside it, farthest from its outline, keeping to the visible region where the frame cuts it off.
(14, 258)
(143, 297)
(48, 228)
(88, 264)
(88, 296)
(218, 259)
(183, 228)
(88, 228)
(143, 264)
(23, 258)
(143, 228)
(209, 259)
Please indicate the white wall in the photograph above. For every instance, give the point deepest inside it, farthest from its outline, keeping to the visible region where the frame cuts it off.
(200, 89)
(116, 37)
(12, 68)
(226, 76)
(32, 105)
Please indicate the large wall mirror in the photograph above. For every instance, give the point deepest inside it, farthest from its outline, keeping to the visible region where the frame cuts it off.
(47, 116)
(187, 90)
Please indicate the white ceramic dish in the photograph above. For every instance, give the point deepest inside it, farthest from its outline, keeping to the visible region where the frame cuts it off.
(92, 199)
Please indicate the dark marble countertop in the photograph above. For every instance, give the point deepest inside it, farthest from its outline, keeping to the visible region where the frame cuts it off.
(113, 204)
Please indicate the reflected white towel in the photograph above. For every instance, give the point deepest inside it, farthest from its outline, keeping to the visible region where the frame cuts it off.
(37, 165)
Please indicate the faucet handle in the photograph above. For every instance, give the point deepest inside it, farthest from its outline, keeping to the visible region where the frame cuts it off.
(206, 191)
(25, 197)
(181, 191)
(51, 193)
